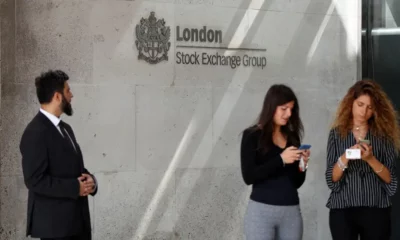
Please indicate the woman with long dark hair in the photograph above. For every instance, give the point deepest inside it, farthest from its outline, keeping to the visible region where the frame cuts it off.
(270, 163)
(361, 188)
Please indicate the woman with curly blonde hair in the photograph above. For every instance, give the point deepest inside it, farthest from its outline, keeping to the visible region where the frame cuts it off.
(359, 202)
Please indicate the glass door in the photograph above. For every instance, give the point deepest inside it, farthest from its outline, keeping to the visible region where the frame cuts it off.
(381, 62)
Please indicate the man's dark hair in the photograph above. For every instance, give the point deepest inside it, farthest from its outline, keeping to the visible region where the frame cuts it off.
(48, 83)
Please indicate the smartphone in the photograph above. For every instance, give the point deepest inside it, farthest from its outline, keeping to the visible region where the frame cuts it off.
(304, 147)
(365, 141)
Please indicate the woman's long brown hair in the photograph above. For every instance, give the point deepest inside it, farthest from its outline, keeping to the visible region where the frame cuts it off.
(384, 122)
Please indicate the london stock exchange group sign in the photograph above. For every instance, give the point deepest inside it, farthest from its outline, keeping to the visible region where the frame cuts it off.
(204, 46)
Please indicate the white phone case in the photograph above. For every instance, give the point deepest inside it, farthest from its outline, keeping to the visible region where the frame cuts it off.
(353, 153)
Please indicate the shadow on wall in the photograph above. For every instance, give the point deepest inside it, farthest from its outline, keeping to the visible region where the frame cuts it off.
(210, 201)
(217, 200)
(159, 235)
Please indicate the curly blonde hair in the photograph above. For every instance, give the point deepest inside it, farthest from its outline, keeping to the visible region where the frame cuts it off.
(384, 122)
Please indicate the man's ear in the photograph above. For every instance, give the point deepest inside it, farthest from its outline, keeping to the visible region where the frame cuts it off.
(57, 97)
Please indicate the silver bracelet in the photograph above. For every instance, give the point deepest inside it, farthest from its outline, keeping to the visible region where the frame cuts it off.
(342, 166)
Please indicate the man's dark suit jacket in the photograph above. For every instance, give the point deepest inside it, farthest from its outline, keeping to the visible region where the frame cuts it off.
(51, 167)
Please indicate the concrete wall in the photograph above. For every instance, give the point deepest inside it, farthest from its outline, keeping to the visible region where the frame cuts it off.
(163, 139)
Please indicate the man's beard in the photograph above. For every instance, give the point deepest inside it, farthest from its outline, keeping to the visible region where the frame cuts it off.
(66, 107)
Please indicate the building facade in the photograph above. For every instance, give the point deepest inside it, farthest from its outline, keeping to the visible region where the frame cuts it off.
(162, 91)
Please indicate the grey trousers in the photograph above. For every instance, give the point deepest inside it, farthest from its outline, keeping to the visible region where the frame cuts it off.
(269, 222)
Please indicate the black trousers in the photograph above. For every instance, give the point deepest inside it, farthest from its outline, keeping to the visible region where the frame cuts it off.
(368, 223)
(84, 236)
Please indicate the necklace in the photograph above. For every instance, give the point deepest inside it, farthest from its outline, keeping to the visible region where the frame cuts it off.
(360, 134)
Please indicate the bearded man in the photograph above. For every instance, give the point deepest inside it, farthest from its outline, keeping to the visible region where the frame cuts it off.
(53, 168)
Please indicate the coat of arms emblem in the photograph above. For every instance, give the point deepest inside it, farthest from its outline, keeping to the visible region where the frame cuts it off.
(152, 39)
